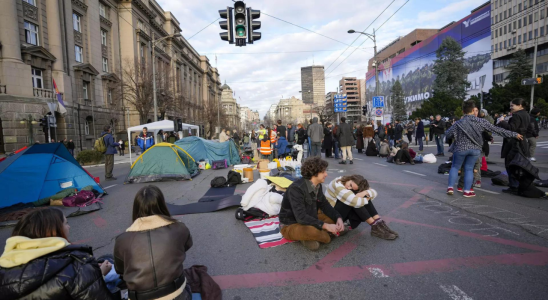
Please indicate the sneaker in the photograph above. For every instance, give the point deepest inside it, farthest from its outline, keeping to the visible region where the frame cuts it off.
(469, 194)
(460, 190)
(398, 162)
(533, 159)
(351, 162)
(111, 178)
(311, 245)
(412, 162)
(379, 231)
(346, 230)
(477, 184)
(450, 191)
(342, 162)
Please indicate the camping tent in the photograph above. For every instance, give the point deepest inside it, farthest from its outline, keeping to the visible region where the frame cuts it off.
(163, 161)
(200, 149)
(41, 171)
(155, 127)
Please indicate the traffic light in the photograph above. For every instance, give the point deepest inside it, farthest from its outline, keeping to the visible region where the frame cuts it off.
(364, 110)
(227, 25)
(253, 14)
(539, 80)
(44, 122)
(240, 23)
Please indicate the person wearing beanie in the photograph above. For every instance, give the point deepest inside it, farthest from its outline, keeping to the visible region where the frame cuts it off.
(532, 132)
(352, 198)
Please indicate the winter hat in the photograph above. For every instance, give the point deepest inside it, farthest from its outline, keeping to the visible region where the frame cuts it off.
(484, 111)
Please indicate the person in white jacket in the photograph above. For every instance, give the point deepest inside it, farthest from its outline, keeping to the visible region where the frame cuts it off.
(352, 197)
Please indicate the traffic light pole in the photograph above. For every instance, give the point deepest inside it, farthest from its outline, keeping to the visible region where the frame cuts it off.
(534, 69)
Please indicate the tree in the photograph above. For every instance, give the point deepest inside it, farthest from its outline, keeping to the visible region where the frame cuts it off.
(137, 88)
(519, 67)
(213, 116)
(399, 111)
(450, 70)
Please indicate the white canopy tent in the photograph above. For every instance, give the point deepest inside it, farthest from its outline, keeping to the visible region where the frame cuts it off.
(155, 127)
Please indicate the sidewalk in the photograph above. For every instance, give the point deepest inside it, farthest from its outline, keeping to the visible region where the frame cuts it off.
(118, 160)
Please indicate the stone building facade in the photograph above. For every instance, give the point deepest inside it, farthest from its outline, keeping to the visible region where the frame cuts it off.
(313, 85)
(85, 46)
(231, 109)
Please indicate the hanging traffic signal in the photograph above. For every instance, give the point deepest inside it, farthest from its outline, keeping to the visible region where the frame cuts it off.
(364, 110)
(253, 14)
(240, 23)
(227, 25)
(44, 122)
(487, 98)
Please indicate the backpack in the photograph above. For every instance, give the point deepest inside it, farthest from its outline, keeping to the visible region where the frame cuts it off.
(219, 164)
(233, 178)
(250, 214)
(218, 182)
(100, 144)
(500, 179)
(381, 133)
(246, 159)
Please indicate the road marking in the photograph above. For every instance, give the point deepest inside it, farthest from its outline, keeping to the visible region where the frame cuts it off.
(455, 293)
(108, 187)
(487, 191)
(414, 173)
(357, 158)
(377, 273)
(380, 165)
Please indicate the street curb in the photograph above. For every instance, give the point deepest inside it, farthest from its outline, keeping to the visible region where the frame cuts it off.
(99, 165)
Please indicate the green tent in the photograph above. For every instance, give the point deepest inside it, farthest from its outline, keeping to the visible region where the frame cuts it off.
(163, 161)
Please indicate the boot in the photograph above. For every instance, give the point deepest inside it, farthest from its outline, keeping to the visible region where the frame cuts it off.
(398, 162)
(379, 231)
(412, 162)
(342, 162)
(385, 227)
(311, 245)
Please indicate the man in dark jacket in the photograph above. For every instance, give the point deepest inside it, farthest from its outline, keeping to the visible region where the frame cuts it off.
(398, 131)
(315, 133)
(532, 132)
(306, 215)
(431, 133)
(438, 130)
(346, 140)
(290, 134)
(70, 147)
(111, 150)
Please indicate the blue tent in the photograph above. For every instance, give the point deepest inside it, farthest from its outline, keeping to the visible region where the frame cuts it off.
(200, 148)
(41, 171)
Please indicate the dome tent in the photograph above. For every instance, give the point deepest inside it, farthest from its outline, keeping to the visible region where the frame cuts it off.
(163, 161)
(201, 149)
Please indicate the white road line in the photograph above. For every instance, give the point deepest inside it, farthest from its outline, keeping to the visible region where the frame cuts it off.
(108, 187)
(487, 191)
(380, 165)
(377, 273)
(414, 173)
(455, 293)
(357, 158)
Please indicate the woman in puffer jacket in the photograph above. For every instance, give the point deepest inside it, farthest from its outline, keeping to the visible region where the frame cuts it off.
(39, 263)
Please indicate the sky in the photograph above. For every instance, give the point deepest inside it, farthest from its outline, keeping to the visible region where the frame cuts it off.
(269, 70)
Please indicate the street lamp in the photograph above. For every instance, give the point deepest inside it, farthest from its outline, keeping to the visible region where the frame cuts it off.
(375, 64)
(153, 43)
(29, 121)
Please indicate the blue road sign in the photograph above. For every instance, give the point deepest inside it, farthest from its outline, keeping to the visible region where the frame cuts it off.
(341, 109)
(378, 101)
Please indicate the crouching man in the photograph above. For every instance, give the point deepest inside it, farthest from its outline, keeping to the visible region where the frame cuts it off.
(306, 215)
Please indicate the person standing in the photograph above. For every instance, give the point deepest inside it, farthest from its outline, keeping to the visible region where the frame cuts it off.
(419, 133)
(380, 134)
(223, 137)
(145, 140)
(122, 147)
(359, 139)
(438, 129)
(346, 140)
(430, 132)
(336, 147)
(281, 131)
(109, 154)
(398, 132)
(70, 147)
(532, 133)
(390, 134)
(301, 134)
(410, 131)
(236, 138)
(315, 133)
(290, 134)
(328, 140)
(518, 123)
(368, 133)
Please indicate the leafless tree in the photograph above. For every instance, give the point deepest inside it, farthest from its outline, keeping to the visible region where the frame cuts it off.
(211, 118)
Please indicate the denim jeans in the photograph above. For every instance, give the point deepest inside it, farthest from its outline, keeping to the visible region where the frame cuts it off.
(421, 146)
(316, 149)
(439, 142)
(468, 158)
(336, 149)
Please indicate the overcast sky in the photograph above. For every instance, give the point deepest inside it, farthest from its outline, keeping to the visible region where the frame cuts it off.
(261, 79)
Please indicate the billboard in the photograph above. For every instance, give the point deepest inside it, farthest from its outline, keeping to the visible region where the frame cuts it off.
(413, 68)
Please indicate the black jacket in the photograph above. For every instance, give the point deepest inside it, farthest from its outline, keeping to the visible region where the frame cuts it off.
(70, 273)
(440, 129)
(300, 206)
(301, 136)
(398, 132)
(519, 122)
(532, 130)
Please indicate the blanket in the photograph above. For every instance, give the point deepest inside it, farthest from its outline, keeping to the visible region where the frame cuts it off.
(267, 232)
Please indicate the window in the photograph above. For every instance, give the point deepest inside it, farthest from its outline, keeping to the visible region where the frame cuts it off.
(509, 43)
(496, 19)
(536, 32)
(85, 88)
(515, 10)
(515, 27)
(78, 53)
(500, 31)
(496, 3)
(492, 21)
(105, 64)
(76, 22)
(31, 2)
(102, 10)
(541, 31)
(109, 96)
(504, 44)
(542, 14)
(514, 41)
(509, 12)
(525, 5)
(519, 7)
(525, 37)
(536, 16)
(37, 78)
(103, 37)
(142, 49)
(496, 48)
(505, 14)
(519, 39)
(496, 33)
(31, 33)
(86, 127)
(504, 29)
(524, 21)
(519, 23)
(530, 35)
(530, 19)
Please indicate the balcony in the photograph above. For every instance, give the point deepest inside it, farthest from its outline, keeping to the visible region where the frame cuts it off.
(3, 89)
(43, 93)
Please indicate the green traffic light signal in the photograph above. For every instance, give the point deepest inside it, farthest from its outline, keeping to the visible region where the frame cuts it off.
(240, 31)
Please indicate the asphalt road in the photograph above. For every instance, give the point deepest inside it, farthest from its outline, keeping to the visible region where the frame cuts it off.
(493, 246)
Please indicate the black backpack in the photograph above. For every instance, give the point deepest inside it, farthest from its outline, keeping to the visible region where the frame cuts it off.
(233, 178)
(500, 179)
(252, 213)
(218, 182)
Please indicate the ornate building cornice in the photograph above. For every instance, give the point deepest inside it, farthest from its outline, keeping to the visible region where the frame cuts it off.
(80, 4)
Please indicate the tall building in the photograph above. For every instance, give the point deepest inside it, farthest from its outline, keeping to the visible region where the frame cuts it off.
(91, 49)
(329, 103)
(518, 25)
(230, 107)
(313, 85)
(350, 87)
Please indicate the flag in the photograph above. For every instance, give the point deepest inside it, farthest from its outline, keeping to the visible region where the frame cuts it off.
(62, 108)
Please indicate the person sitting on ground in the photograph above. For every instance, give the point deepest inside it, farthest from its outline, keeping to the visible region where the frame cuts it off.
(371, 149)
(40, 263)
(403, 155)
(305, 214)
(352, 197)
(146, 256)
(384, 151)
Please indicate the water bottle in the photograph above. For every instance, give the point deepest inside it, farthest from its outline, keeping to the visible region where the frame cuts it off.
(298, 172)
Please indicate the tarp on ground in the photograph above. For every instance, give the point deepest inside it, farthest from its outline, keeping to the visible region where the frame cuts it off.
(163, 161)
(201, 149)
(40, 171)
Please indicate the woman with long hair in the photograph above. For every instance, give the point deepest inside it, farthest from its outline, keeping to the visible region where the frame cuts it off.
(352, 197)
(40, 263)
(147, 255)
